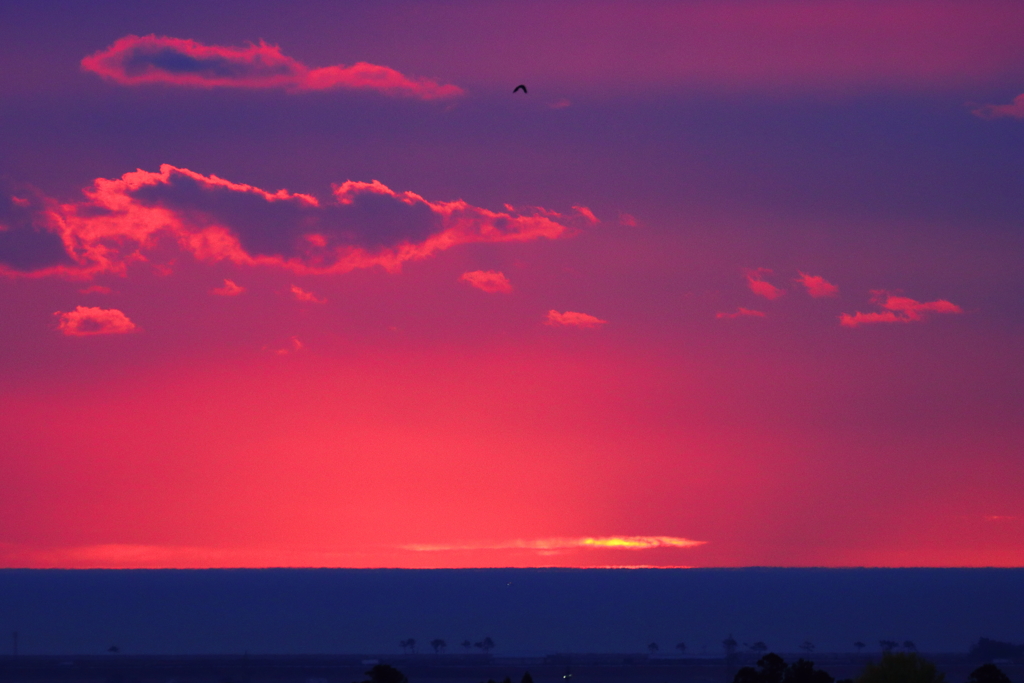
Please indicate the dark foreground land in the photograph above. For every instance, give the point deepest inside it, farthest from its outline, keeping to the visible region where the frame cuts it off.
(423, 669)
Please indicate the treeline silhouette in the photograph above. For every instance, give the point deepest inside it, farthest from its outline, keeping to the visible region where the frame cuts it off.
(894, 667)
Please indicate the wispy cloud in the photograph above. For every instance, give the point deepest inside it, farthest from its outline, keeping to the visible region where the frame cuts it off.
(817, 286)
(140, 60)
(293, 346)
(86, 321)
(586, 213)
(487, 280)
(1013, 110)
(228, 289)
(759, 286)
(573, 319)
(302, 295)
(897, 309)
(561, 544)
(628, 220)
(741, 312)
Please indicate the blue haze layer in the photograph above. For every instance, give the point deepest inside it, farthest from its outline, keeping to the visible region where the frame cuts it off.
(525, 611)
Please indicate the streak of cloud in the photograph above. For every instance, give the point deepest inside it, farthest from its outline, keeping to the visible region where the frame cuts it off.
(1013, 110)
(561, 544)
(897, 309)
(142, 60)
(228, 289)
(817, 286)
(741, 313)
(759, 286)
(487, 280)
(573, 319)
(309, 297)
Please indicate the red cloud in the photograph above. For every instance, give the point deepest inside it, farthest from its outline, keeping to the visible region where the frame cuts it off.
(487, 280)
(898, 309)
(229, 289)
(294, 346)
(817, 286)
(85, 321)
(361, 225)
(586, 213)
(741, 312)
(759, 286)
(1014, 110)
(628, 220)
(31, 227)
(138, 60)
(573, 319)
(302, 295)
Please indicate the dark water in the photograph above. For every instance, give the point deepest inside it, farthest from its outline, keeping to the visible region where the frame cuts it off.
(524, 611)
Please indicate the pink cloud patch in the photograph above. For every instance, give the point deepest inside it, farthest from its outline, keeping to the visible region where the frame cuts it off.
(228, 289)
(760, 287)
(1014, 110)
(86, 321)
(628, 220)
(898, 309)
(487, 280)
(141, 60)
(740, 313)
(302, 295)
(294, 346)
(361, 225)
(586, 213)
(573, 319)
(817, 286)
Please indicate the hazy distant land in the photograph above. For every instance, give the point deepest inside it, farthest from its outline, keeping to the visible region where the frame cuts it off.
(527, 612)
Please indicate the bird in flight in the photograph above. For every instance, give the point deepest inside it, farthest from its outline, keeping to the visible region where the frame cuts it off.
(520, 87)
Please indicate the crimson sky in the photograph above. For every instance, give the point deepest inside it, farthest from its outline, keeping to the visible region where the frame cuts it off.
(306, 284)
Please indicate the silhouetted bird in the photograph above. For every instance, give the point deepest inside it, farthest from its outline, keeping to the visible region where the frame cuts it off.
(520, 87)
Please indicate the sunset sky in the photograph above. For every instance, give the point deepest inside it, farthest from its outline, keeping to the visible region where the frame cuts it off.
(305, 284)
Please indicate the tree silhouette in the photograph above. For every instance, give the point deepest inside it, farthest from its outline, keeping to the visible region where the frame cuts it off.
(652, 648)
(681, 647)
(113, 649)
(527, 678)
(803, 671)
(988, 673)
(772, 669)
(901, 667)
(729, 645)
(486, 644)
(988, 649)
(438, 645)
(909, 646)
(408, 644)
(807, 646)
(468, 645)
(383, 673)
(888, 645)
(759, 647)
(859, 645)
